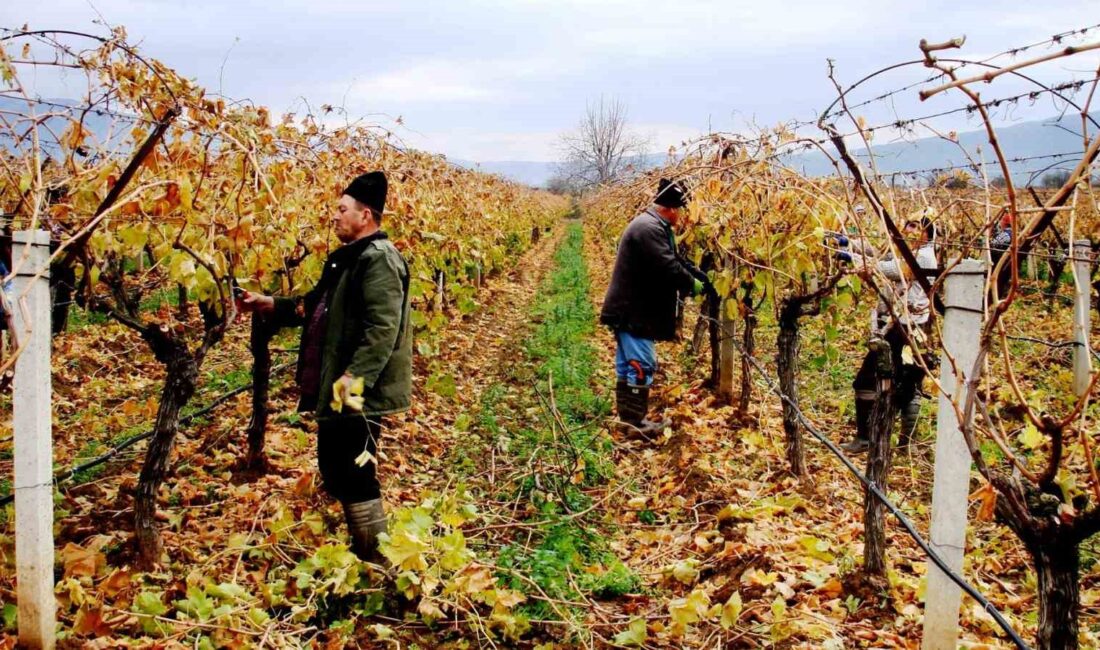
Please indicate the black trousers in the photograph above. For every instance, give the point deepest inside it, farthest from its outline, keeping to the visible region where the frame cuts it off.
(339, 443)
(907, 378)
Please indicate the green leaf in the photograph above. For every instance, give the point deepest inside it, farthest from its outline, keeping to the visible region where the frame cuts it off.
(197, 604)
(258, 616)
(150, 603)
(467, 306)
(462, 422)
(635, 634)
(442, 384)
(227, 591)
(1031, 438)
(10, 615)
(373, 604)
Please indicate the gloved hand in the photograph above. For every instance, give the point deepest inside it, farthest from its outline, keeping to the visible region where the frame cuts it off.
(841, 239)
(843, 256)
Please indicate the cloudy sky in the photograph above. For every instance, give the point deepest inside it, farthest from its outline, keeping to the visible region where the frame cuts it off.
(501, 80)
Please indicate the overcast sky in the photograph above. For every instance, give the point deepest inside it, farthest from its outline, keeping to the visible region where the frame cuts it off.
(494, 80)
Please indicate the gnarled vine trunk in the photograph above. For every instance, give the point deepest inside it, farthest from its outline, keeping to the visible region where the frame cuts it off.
(259, 343)
(786, 358)
(878, 465)
(179, 386)
(748, 348)
(1054, 545)
(1057, 565)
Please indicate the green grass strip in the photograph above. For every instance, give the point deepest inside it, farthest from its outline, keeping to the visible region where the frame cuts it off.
(569, 553)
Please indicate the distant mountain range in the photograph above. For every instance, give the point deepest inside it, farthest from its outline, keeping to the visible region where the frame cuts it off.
(1034, 148)
(528, 172)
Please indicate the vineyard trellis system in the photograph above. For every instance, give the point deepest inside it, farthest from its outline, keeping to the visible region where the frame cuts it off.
(201, 194)
(758, 226)
(130, 441)
(147, 185)
(873, 489)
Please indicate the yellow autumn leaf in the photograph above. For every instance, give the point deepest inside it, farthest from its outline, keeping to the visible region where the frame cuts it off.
(429, 611)
(686, 611)
(349, 394)
(404, 549)
(187, 195)
(685, 571)
(761, 578)
(731, 611)
(635, 634)
(1031, 438)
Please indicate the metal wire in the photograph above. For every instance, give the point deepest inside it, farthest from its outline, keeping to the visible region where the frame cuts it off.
(133, 440)
(874, 490)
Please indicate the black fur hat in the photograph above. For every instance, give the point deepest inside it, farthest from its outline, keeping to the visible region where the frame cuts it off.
(671, 194)
(369, 189)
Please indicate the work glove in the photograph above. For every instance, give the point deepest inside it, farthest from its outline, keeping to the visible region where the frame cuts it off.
(843, 256)
(841, 239)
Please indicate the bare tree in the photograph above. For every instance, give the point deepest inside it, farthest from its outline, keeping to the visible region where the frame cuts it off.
(601, 147)
(562, 182)
(1055, 179)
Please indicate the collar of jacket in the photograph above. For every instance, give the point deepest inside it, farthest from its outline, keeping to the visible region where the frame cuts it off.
(343, 257)
(350, 251)
(652, 211)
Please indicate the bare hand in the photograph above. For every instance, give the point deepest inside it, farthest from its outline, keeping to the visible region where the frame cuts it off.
(257, 302)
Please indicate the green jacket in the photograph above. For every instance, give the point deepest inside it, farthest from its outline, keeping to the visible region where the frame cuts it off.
(365, 328)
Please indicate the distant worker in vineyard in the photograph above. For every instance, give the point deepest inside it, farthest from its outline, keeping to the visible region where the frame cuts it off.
(999, 244)
(642, 301)
(355, 346)
(906, 316)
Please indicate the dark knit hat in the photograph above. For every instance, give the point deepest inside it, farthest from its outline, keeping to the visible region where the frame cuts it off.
(671, 194)
(369, 189)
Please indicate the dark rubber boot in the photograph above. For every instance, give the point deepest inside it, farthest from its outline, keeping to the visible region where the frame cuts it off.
(862, 442)
(630, 408)
(366, 521)
(633, 406)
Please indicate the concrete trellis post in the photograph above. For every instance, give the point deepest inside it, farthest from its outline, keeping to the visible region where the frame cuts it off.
(34, 552)
(1082, 301)
(963, 290)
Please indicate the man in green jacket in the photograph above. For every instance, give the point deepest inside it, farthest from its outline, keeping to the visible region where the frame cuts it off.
(355, 347)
